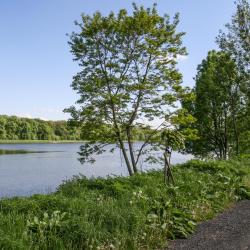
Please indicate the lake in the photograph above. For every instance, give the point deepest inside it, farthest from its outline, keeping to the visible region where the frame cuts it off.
(24, 174)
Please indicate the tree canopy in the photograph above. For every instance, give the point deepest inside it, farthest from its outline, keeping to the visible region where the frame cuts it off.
(236, 41)
(16, 128)
(222, 89)
(218, 108)
(127, 79)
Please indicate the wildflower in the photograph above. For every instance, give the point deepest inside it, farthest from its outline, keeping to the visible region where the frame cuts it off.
(112, 246)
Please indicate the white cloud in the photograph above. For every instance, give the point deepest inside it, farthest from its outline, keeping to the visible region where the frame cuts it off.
(48, 113)
(43, 118)
(25, 115)
(181, 58)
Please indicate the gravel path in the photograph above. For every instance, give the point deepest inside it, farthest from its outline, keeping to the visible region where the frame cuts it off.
(228, 231)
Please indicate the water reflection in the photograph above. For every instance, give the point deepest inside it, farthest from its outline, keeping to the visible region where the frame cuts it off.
(9, 152)
(26, 169)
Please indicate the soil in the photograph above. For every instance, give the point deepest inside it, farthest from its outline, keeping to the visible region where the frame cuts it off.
(228, 231)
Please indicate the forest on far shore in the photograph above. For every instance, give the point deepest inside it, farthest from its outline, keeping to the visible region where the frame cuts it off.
(17, 128)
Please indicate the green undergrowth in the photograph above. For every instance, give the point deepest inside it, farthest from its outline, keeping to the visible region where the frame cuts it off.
(138, 212)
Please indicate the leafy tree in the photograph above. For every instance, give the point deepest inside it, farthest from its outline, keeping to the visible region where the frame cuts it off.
(60, 129)
(44, 132)
(24, 130)
(127, 80)
(236, 42)
(11, 128)
(218, 107)
(2, 128)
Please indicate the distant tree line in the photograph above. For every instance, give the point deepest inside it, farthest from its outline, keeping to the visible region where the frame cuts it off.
(16, 128)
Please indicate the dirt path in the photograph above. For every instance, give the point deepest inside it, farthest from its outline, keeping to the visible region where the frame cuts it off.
(228, 231)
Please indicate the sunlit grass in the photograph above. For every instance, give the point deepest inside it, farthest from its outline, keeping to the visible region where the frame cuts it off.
(138, 212)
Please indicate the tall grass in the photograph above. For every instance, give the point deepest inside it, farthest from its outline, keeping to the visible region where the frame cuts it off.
(137, 212)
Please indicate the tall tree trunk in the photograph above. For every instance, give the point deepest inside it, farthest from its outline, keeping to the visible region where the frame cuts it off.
(219, 135)
(131, 151)
(225, 136)
(220, 154)
(235, 128)
(130, 171)
(119, 137)
(236, 135)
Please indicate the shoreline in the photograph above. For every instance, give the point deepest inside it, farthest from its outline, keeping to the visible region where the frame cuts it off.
(38, 141)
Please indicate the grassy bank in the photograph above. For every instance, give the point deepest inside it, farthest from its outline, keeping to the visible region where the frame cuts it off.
(139, 212)
(37, 141)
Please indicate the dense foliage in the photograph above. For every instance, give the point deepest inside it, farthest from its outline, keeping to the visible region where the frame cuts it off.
(219, 108)
(222, 89)
(236, 42)
(16, 128)
(128, 78)
(104, 214)
(236, 39)
(13, 129)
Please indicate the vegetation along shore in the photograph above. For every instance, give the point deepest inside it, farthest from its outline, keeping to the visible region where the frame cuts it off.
(138, 212)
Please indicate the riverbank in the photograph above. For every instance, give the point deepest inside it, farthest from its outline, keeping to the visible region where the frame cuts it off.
(37, 141)
(138, 212)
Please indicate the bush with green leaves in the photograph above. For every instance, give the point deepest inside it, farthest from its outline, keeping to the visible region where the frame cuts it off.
(38, 230)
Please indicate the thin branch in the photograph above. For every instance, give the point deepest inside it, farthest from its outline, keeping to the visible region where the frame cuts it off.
(147, 142)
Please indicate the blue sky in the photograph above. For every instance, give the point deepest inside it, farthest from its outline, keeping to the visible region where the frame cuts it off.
(36, 67)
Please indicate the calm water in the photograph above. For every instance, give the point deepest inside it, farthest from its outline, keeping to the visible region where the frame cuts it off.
(49, 164)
